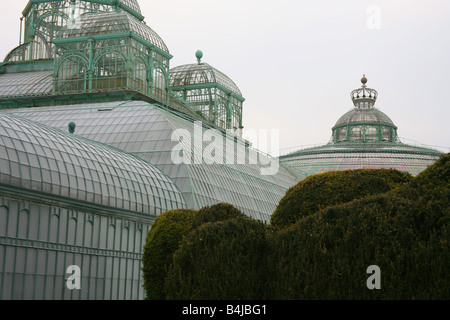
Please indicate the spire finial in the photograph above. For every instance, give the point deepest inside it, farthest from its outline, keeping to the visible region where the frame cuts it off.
(199, 55)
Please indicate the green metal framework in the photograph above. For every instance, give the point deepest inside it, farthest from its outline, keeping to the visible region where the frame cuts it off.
(43, 19)
(210, 93)
(95, 46)
(111, 52)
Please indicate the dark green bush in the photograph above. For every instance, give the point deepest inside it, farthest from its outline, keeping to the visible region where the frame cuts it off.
(221, 261)
(162, 241)
(329, 230)
(325, 255)
(320, 191)
(217, 212)
(405, 232)
(166, 235)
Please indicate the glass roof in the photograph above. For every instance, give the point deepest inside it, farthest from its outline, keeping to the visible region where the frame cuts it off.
(132, 4)
(364, 116)
(349, 156)
(43, 159)
(194, 74)
(147, 131)
(26, 83)
(114, 22)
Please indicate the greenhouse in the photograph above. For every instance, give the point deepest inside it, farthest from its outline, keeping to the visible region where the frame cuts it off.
(363, 137)
(99, 137)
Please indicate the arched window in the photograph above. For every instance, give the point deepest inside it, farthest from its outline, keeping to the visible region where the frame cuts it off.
(139, 76)
(159, 84)
(45, 30)
(110, 72)
(72, 75)
(371, 133)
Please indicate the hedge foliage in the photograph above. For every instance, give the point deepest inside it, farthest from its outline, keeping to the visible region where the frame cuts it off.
(221, 260)
(165, 237)
(332, 188)
(328, 253)
(162, 241)
(389, 219)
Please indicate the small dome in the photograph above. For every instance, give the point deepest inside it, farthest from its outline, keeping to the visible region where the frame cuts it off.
(114, 22)
(200, 73)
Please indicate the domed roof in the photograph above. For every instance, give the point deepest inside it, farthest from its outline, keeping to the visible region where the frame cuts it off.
(49, 161)
(364, 116)
(363, 137)
(114, 22)
(201, 73)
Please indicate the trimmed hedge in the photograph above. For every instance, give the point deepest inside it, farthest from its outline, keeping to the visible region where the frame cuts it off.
(165, 237)
(324, 250)
(405, 232)
(162, 241)
(325, 255)
(320, 191)
(221, 261)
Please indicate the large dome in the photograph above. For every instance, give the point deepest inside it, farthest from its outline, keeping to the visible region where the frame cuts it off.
(364, 123)
(363, 137)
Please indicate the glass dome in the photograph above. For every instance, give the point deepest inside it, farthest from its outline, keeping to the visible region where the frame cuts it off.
(364, 123)
(202, 73)
(114, 22)
(41, 159)
(363, 137)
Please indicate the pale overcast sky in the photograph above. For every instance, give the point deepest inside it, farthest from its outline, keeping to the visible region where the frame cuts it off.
(296, 62)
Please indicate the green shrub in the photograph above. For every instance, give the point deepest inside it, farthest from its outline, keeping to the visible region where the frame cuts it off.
(325, 255)
(162, 241)
(405, 232)
(221, 261)
(217, 212)
(166, 235)
(320, 191)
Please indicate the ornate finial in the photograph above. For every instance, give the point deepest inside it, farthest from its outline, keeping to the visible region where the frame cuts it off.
(199, 55)
(364, 98)
(364, 80)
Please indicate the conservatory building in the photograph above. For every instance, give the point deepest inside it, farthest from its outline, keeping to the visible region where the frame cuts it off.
(364, 137)
(92, 120)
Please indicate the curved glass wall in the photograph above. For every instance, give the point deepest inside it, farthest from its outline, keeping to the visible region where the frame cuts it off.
(43, 159)
(150, 133)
